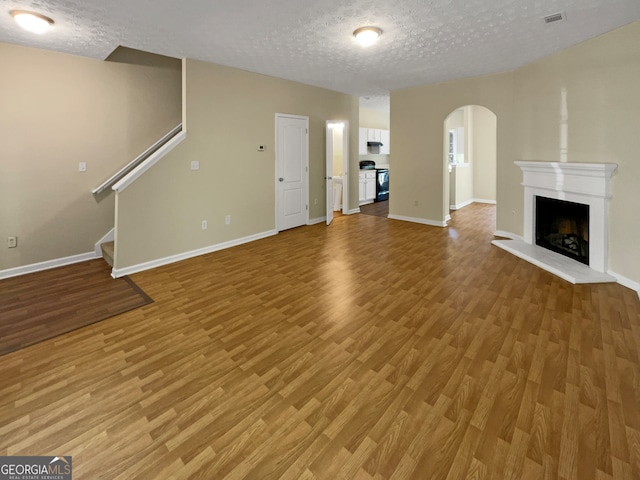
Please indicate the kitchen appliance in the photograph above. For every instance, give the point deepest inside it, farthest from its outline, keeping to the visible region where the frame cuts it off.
(382, 184)
(367, 165)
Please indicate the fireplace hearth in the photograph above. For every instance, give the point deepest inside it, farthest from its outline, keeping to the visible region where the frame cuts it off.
(563, 227)
(572, 241)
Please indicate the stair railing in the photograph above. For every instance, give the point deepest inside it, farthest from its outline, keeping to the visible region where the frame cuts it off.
(124, 171)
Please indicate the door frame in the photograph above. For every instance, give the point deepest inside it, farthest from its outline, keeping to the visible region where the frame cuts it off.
(276, 181)
(329, 168)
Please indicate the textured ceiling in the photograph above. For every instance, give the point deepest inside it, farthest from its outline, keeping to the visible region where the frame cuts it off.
(310, 41)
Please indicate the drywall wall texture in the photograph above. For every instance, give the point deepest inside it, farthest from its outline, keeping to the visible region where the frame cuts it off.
(483, 153)
(579, 105)
(582, 105)
(59, 110)
(229, 113)
(419, 165)
(374, 119)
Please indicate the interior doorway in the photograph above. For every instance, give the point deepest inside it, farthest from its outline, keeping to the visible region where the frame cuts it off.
(292, 171)
(337, 168)
(470, 157)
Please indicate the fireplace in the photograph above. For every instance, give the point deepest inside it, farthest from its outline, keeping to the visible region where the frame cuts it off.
(563, 227)
(573, 241)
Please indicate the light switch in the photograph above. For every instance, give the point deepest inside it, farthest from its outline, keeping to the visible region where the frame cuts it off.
(195, 165)
(82, 167)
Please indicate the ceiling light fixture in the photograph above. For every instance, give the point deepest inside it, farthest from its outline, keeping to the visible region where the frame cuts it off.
(33, 22)
(367, 36)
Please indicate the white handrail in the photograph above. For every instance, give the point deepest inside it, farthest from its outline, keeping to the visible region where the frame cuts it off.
(150, 161)
(116, 177)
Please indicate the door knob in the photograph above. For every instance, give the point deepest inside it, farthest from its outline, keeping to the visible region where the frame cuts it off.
(281, 179)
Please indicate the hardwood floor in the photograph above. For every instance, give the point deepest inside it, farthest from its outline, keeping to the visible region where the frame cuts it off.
(369, 349)
(46, 304)
(378, 209)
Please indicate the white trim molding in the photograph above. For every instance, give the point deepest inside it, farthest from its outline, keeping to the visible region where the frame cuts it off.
(47, 265)
(584, 183)
(315, 221)
(423, 221)
(121, 272)
(133, 175)
(353, 210)
(483, 200)
(626, 282)
(110, 236)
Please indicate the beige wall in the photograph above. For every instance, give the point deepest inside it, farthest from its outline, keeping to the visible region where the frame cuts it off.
(483, 153)
(600, 80)
(229, 113)
(417, 120)
(374, 119)
(58, 110)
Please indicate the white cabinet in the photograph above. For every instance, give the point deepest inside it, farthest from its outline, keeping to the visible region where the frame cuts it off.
(385, 138)
(374, 135)
(362, 141)
(367, 186)
(370, 187)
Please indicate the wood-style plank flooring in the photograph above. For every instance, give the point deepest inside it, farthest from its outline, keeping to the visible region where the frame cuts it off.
(45, 304)
(378, 209)
(369, 349)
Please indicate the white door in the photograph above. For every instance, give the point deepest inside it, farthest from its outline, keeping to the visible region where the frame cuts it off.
(328, 178)
(292, 171)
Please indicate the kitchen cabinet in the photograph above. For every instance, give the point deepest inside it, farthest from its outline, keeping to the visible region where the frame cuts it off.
(385, 138)
(367, 186)
(373, 135)
(362, 141)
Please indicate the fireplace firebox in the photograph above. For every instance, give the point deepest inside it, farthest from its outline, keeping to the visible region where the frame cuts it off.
(563, 227)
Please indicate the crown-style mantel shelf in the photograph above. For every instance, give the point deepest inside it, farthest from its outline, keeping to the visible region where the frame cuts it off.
(581, 178)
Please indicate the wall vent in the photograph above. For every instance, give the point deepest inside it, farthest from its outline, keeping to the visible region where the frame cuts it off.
(556, 17)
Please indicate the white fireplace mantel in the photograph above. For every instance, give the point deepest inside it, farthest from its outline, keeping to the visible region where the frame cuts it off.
(585, 183)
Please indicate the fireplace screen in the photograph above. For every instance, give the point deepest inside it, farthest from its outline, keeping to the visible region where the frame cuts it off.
(563, 227)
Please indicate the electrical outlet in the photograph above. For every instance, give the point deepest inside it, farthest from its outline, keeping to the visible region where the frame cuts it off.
(82, 167)
(315, 202)
(12, 242)
(195, 165)
(261, 148)
(227, 220)
(204, 224)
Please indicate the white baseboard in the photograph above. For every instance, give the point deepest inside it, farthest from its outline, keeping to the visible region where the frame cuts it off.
(121, 272)
(49, 264)
(461, 205)
(447, 218)
(422, 221)
(626, 282)
(110, 236)
(315, 221)
(502, 233)
(353, 210)
(469, 202)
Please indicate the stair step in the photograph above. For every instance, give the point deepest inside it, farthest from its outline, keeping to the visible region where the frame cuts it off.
(108, 249)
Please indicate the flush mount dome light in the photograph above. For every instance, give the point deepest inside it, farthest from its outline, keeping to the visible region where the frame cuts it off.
(33, 22)
(367, 36)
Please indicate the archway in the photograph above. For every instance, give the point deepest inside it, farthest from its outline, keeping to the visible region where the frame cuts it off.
(469, 155)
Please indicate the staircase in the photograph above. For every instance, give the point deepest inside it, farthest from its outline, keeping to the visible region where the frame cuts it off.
(107, 252)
